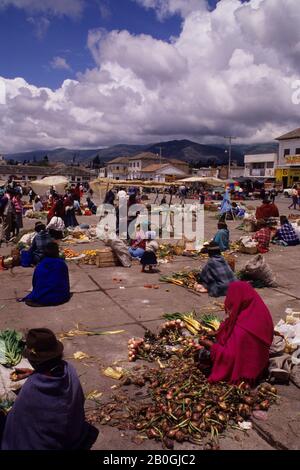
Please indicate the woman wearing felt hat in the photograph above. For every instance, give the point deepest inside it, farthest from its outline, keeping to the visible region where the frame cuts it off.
(48, 413)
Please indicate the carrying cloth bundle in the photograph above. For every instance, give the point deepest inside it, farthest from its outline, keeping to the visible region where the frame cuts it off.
(258, 270)
(121, 251)
(248, 245)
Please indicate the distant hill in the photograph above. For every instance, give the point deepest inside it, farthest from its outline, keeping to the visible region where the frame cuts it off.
(185, 150)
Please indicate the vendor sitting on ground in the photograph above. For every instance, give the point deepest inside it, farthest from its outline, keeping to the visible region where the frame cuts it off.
(149, 256)
(222, 236)
(237, 210)
(267, 210)
(91, 206)
(263, 236)
(241, 350)
(138, 245)
(37, 204)
(50, 283)
(40, 242)
(286, 233)
(216, 275)
(56, 226)
(48, 413)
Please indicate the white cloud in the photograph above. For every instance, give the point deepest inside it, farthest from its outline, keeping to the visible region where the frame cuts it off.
(230, 71)
(165, 8)
(60, 63)
(71, 8)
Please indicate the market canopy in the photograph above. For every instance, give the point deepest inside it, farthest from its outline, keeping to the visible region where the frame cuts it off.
(101, 183)
(210, 180)
(41, 186)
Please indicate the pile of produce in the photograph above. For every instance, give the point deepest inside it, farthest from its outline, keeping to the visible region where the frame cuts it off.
(183, 278)
(11, 347)
(180, 405)
(174, 338)
(165, 251)
(69, 254)
(5, 405)
(208, 322)
(90, 256)
(30, 214)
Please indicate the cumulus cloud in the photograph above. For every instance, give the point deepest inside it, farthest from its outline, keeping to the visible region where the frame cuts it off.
(59, 63)
(71, 8)
(230, 72)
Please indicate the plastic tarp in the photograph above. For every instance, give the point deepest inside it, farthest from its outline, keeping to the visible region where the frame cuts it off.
(43, 185)
(210, 180)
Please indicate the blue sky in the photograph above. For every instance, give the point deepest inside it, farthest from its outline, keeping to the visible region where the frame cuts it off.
(146, 71)
(24, 52)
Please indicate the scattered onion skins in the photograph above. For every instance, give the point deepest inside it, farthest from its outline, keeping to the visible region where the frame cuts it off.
(180, 405)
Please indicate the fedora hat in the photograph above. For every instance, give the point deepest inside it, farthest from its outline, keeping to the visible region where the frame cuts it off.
(42, 345)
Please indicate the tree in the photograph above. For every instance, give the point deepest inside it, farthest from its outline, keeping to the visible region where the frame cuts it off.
(96, 162)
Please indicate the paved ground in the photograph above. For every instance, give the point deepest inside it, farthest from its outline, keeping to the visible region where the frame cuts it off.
(101, 303)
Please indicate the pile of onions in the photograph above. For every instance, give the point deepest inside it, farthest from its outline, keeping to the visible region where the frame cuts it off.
(172, 325)
(133, 347)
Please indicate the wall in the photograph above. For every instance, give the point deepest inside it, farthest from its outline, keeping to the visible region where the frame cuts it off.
(292, 145)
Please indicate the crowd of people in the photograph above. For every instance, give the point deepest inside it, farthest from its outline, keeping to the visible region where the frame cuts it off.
(52, 399)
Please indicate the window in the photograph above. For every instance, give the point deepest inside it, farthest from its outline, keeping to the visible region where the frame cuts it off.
(137, 163)
(270, 165)
(298, 151)
(287, 152)
(117, 167)
(258, 165)
(134, 164)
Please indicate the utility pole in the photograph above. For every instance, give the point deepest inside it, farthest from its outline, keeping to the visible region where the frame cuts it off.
(160, 149)
(230, 138)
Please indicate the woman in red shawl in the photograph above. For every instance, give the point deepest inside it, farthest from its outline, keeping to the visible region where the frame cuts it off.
(241, 351)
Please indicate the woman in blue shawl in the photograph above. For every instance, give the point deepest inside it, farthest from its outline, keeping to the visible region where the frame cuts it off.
(50, 283)
(226, 207)
(48, 413)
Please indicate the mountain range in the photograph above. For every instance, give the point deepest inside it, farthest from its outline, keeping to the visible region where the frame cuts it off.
(185, 150)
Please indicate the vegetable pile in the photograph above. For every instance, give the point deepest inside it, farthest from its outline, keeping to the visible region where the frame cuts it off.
(69, 254)
(11, 347)
(180, 405)
(90, 256)
(173, 339)
(5, 405)
(183, 278)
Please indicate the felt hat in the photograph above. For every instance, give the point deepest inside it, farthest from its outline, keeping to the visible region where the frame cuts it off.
(42, 345)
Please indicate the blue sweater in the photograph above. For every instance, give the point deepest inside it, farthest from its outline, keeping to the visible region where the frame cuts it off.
(222, 239)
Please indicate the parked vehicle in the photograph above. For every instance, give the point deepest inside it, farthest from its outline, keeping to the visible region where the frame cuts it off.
(287, 192)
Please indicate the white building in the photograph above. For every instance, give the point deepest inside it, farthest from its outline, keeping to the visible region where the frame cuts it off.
(162, 173)
(260, 165)
(206, 171)
(289, 158)
(115, 169)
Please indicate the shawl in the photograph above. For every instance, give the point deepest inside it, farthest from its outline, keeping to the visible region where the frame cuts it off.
(244, 338)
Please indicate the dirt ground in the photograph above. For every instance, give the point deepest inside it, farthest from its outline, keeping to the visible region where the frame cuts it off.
(116, 299)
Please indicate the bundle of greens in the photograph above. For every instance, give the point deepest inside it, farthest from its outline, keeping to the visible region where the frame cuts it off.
(5, 405)
(11, 347)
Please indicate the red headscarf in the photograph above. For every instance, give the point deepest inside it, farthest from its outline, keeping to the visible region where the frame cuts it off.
(244, 338)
